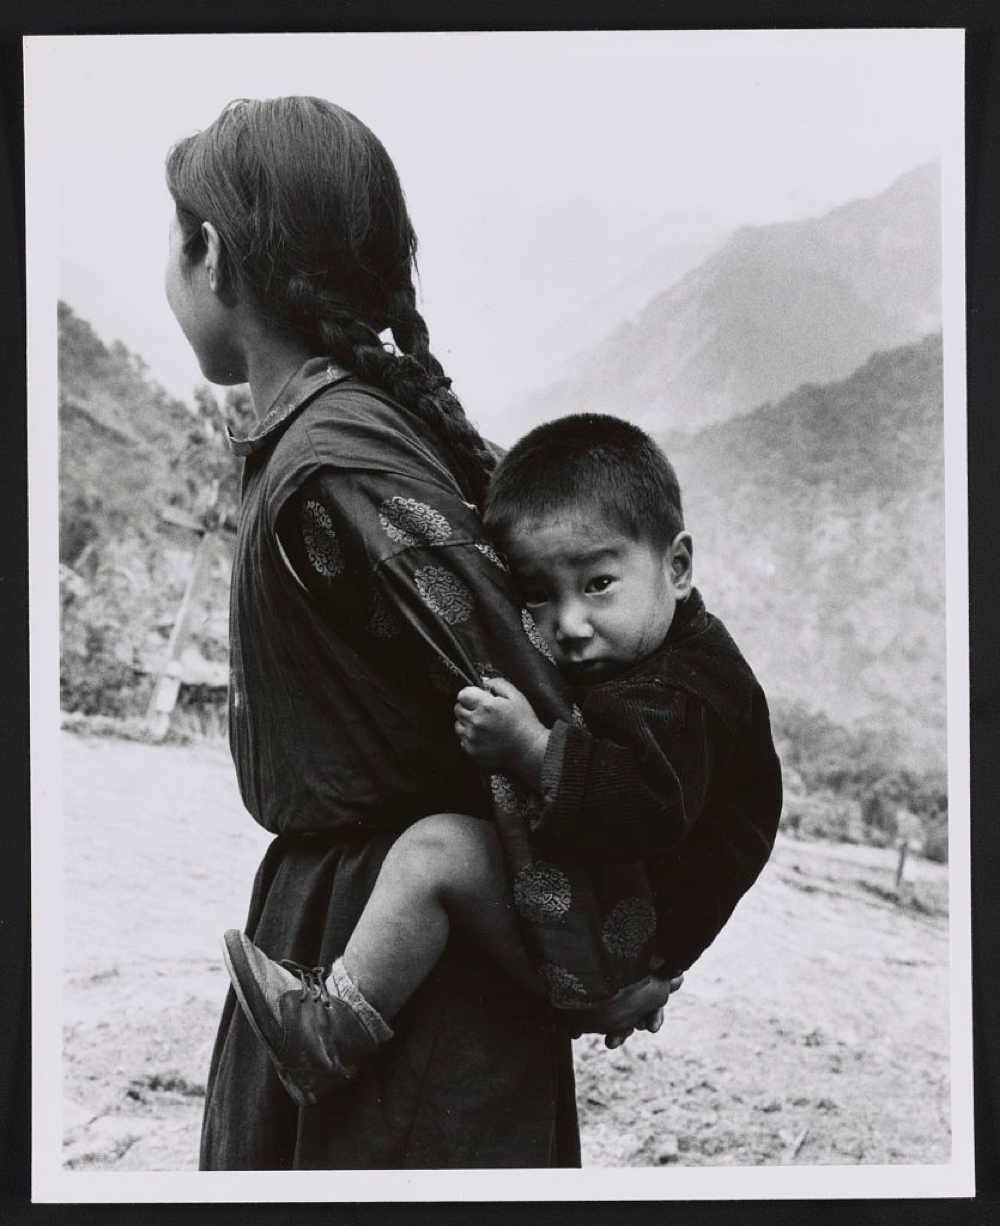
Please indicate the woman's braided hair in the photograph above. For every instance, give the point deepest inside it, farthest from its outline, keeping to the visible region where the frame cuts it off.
(314, 228)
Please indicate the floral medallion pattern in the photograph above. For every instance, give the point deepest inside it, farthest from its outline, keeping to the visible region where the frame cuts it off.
(444, 593)
(384, 622)
(542, 892)
(564, 987)
(504, 796)
(629, 926)
(320, 539)
(409, 522)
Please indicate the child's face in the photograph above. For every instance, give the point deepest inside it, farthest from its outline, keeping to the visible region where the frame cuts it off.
(600, 599)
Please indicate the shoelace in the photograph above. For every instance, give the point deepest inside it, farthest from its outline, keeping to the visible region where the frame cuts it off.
(313, 980)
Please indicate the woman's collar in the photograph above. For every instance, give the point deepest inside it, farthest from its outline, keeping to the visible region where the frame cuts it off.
(312, 377)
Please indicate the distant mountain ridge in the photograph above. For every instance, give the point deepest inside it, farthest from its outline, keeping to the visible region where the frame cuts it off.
(624, 299)
(775, 307)
(818, 529)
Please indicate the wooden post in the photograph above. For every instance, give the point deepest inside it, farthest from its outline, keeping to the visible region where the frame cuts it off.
(168, 683)
(904, 848)
(164, 697)
(909, 831)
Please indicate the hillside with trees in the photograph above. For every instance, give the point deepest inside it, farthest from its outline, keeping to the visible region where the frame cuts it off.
(135, 464)
(819, 539)
(818, 527)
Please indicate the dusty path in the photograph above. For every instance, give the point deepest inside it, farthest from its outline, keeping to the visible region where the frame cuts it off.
(814, 1031)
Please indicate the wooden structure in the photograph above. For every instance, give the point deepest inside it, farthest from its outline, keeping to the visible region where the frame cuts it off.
(166, 687)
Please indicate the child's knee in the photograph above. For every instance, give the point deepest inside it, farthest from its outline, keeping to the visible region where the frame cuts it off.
(448, 850)
(438, 834)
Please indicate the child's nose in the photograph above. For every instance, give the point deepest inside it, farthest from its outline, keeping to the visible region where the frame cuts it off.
(572, 623)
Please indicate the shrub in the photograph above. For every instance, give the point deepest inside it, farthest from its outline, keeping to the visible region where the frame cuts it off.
(850, 785)
(935, 844)
(95, 681)
(823, 815)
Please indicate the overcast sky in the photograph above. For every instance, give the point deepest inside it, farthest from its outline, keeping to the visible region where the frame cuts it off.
(540, 168)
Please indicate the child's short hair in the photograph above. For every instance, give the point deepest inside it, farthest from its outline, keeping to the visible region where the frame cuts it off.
(589, 461)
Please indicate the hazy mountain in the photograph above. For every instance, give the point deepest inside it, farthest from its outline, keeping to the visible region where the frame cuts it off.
(818, 525)
(626, 298)
(775, 307)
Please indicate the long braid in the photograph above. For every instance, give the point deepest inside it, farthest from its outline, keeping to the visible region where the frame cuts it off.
(447, 415)
(415, 378)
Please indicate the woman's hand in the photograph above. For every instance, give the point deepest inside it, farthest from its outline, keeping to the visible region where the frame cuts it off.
(639, 1006)
(497, 726)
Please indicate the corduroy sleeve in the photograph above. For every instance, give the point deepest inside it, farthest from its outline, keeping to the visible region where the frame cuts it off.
(635, 779)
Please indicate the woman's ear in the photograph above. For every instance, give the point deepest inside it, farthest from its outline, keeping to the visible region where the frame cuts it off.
(214, 261)
(681, 562)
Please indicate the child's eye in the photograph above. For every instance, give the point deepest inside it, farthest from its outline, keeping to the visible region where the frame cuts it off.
(600, 584)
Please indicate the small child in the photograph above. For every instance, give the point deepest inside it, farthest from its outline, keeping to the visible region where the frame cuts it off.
(671, 769)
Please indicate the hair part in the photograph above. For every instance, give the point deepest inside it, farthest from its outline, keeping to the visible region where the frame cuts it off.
(593, 464)
(315, 234)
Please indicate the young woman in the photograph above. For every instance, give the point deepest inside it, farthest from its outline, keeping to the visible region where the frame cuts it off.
(364, 597)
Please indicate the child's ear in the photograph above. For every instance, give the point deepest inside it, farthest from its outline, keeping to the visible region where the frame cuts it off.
(682, 564)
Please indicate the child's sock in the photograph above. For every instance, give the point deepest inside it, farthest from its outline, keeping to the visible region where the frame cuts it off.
(339, 983)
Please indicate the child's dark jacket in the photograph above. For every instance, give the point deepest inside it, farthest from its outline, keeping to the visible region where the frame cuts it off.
(676, 768)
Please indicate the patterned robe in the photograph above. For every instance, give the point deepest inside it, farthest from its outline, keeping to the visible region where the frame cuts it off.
(364, 595)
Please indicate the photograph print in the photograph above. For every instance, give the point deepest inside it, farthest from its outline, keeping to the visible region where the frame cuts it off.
(499, 631)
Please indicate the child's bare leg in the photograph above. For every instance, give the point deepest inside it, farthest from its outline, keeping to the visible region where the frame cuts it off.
(443, 870)
(320, 1028)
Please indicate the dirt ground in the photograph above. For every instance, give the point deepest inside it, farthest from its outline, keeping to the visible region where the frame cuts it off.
(814, 1031)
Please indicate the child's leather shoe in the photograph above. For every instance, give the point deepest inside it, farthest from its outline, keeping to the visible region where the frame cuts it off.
(316, 1041)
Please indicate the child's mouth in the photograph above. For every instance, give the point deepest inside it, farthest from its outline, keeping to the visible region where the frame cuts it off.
(584, 668)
